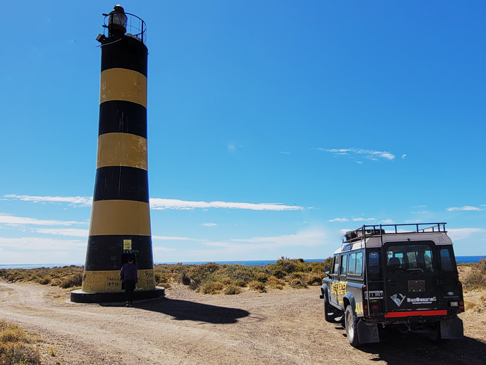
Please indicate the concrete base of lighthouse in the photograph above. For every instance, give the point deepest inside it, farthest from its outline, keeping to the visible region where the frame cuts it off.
(78, 296)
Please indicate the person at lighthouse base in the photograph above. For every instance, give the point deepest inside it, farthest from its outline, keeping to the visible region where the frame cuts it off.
(128, 274)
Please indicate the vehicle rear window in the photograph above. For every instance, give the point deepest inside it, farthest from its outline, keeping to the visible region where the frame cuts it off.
(410, 258)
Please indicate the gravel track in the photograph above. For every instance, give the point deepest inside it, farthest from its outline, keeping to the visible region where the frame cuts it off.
(279, 327)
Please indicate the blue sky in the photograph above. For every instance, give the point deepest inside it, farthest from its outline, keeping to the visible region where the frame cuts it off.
(273, 126)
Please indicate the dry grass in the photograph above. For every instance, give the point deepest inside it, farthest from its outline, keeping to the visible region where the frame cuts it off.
(17, 346)
(210, 278)
(473, 275)
(65, 277)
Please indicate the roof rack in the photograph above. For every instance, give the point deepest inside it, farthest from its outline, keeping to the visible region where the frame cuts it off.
(381, 229)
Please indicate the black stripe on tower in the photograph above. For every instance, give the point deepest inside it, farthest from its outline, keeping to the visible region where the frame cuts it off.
(121, 183)
(104, 252)
(118, 116)
(124, 52)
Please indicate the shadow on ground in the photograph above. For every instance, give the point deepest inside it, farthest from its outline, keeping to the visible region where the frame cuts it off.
(412, 348)
(183, 310)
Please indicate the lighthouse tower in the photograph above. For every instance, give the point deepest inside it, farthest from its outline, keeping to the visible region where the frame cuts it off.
(120, 217)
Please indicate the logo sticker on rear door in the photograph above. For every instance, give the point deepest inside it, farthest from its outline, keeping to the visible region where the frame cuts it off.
(398, 299)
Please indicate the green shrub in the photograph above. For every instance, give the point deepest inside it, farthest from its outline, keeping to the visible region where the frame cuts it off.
(258, 286)
(240, 283)
(231, 289)
(226, 281)
(212, 287)
(297, 283)
(276, 283)
(314, 279)
(72, 281)
(279, 274)
(261, 277)
(45, 280)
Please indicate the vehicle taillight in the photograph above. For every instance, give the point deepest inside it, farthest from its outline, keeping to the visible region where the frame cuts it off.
(461, 306)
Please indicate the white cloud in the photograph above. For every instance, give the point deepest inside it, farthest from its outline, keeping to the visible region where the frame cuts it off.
(387, 221)
(72, 200)
(285, 153)
(40, 244)
(404, 156)
(339, 220)
(12, 220)
(363, 219)
(163, 249)
(309, 237)
(369, 154)
(209, 224)
(457, 234)
(466, 207)
(72, 232)
(161, 204)
(169, 238)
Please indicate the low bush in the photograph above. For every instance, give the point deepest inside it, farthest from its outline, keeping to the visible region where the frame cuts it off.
(258, 286)
(296, 273)
(314, 279)
(231, 289)
(45, 280)
(71, 281)
(275, 282)
(240, 283)
(17, 346)
(214, 287)
(473, 279)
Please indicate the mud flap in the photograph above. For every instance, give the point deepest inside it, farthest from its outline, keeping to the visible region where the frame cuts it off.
(451, 329)
(368, 332)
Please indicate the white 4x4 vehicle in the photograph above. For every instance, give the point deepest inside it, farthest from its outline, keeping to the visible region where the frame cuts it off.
(401, 275)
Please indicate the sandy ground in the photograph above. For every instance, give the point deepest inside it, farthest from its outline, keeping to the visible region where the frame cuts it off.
(279, 327)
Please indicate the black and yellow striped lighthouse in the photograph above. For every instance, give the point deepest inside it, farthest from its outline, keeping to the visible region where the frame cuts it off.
(120, 216)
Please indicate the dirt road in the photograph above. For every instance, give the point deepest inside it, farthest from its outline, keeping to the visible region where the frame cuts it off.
(280, 327)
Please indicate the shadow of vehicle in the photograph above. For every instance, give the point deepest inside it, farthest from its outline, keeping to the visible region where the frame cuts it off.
(400, 349)
(183, 310)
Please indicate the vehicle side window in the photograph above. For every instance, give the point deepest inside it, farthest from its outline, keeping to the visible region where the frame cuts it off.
(352, 264)
(355, 266)
(344, 264)
(359, 263)
(445, 260)
(336, 265)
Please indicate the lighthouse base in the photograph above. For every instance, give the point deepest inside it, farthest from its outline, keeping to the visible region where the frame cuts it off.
(78, 296)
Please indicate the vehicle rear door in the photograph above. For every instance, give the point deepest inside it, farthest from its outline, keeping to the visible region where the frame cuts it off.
(411, 276)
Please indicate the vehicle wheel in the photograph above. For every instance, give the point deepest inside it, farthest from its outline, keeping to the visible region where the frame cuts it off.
(433, 332)
(351, 325)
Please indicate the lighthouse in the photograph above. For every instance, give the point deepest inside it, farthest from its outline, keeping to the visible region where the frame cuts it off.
(120, 217)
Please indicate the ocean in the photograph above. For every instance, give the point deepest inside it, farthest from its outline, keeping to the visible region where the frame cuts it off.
(460, 259)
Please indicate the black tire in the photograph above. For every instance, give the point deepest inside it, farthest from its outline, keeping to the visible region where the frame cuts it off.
(329, 311)
(351, 325)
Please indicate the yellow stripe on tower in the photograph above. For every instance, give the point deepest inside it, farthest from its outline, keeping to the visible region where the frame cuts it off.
(109, 281)
(122, 149)
(120, 217)
(123, 84)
